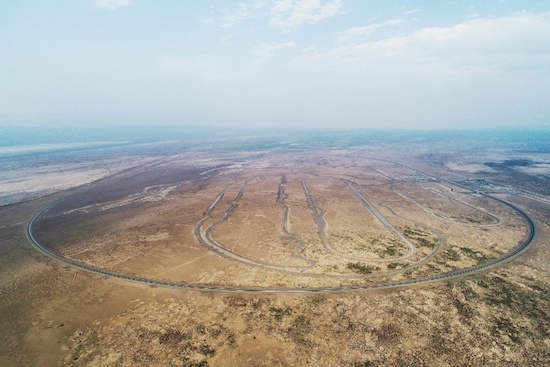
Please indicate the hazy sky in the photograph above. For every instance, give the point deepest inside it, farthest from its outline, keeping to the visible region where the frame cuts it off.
(289, 63)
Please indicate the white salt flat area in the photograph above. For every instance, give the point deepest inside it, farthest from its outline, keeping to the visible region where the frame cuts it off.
(31, 182)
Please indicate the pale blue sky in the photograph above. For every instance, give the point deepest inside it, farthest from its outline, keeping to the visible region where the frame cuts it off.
(289, 63)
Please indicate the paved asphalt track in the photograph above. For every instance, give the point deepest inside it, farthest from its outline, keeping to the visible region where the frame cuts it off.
(518, 250)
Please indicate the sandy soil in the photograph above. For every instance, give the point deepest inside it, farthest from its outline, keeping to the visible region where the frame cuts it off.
(143, 222)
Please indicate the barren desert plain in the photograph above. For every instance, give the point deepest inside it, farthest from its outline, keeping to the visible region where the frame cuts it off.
(324, 250)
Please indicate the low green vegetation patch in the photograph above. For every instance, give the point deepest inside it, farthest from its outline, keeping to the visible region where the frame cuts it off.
(419, 236)
(472, 220)
(451, 255)
(424, 242)
(475, 255)
(521, 310)
(523, 300)
(316, 299)
(414, 232)
(207, 351)
(280, 312)
(300, 329)
(361, 268)
(391, 250)
(505, 326)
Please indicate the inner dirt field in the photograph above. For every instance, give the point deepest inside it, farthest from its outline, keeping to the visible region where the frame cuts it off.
(279, 223)
(315, 220)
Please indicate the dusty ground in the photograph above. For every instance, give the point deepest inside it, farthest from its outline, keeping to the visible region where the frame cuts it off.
(143, 223)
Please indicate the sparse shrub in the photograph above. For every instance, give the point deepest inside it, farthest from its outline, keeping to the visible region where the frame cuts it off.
(280, 312)
(391, 250)
(360, 268)
(426, 243)
(202, 363)
(388, 332)
(231, 340)
(300, 325)
(200, 328)
(172, 336)
(299, 329)
(451, 255)
(366, 363)
(475, 255)
(207, 351)
(468, 291)
(316, 299)
(465, 311)
(236, 301)
(413, 232)
(505, 326)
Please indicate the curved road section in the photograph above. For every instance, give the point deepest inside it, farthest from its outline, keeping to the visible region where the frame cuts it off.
(204, 236)
(518, 250)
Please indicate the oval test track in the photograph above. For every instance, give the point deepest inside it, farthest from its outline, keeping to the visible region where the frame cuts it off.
(518, 250)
